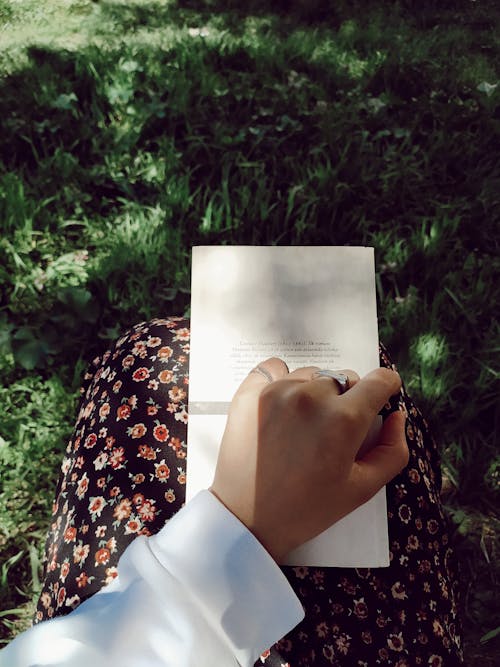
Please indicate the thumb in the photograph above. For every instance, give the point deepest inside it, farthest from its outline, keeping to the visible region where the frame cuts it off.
(380, 464)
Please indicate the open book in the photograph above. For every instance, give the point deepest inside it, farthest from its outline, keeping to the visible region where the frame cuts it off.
(308, 305)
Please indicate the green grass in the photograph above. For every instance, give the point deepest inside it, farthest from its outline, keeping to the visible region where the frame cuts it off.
(131, 131)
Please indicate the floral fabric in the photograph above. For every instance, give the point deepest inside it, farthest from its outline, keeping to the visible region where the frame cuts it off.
(124, 474)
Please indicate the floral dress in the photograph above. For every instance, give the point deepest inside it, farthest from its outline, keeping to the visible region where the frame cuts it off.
(124, 474)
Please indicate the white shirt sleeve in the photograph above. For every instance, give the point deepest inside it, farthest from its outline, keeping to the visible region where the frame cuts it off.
(202, 591)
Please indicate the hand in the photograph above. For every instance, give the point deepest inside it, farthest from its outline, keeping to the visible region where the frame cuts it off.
(287, 464)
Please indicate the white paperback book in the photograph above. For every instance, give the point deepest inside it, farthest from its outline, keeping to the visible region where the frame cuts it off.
(308, 305)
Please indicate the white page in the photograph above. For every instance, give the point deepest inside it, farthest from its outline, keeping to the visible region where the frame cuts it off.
(308, 305)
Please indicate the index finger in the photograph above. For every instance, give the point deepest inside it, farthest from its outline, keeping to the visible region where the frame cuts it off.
(369, 395)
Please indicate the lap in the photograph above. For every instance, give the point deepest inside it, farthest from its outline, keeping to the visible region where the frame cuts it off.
(124, 475)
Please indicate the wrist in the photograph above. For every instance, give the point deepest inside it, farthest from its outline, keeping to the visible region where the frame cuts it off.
(276, 553)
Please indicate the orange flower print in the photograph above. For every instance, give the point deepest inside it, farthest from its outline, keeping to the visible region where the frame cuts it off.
(70, 534)
(165, 353)
(432, 526)
(64, 570)
(123, 412)
(181, 477)
(153, 341)
(152, 410)
(123, 509)
(96, 505)
(265, 654)
(82, 580)
(437, 628)
(413, 542)
(117, 458)
(414, 475)
(111, 544)
(88, 409)
(182, 334)
(175, 443)
(83, 486)
(128, 361)
(139, 478)
(147, 511)
(404, 513)
(182, 416)
(45, 600)
(100, 531)
(395, 642)
(102, 557)
(161, 432)
(133, 526)
(360, 608)
(104, 411)
(80, 553)
(301, 572)
(177, 394)
(139, 349)
(162, 471)
(398, 591)
(165, 376)
(101, 461)
(90, 441)
(136, 431)
(61, 596)
(322, 629)
(111, 573)
(140, 374)
(146, 452)
(170, 496)
(117, 386)
(343, 643)
(138, 499)
(115, 491)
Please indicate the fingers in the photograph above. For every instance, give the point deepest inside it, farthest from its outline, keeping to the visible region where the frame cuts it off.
(264, 373)
(380, 464)
(368, 396)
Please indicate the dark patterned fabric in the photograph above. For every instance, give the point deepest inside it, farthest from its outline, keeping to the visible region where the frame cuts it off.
(124, 475)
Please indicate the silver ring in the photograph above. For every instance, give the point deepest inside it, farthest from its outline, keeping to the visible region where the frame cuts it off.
(340, 378)
(262, 371)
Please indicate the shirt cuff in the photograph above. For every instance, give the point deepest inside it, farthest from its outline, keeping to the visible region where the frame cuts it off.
(234, 581)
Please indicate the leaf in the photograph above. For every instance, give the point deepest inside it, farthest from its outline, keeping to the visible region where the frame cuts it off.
(65, 101)
(24, 333)
(5, 333)
(30, 355)
(488, 88)
(490, 635)
(75, 297)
